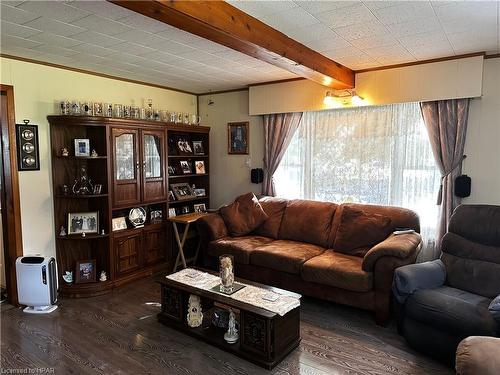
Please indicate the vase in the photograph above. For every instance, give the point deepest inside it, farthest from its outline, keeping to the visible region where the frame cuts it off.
(226, 269)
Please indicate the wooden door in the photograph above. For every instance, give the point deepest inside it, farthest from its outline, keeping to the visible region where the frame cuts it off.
(154, 183)
(155, 246)
(127, 249)
(126, 173)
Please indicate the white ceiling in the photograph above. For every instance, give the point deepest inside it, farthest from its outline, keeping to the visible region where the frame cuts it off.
(105, 38)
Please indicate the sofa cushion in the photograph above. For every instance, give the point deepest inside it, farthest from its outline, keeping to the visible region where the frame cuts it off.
(451, 310)
(338, 270)
(244, 215)
(285, 256)
(239, 247)
(359, 230)
(274, 208)
(307, 221)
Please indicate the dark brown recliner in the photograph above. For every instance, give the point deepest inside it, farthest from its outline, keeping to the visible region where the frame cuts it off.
(447, 300)
(294, 249)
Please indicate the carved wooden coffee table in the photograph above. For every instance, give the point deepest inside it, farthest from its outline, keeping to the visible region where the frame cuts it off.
(265, 336)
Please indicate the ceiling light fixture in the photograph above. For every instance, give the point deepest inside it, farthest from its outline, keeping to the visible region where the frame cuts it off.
(339, 98)
(330, 100)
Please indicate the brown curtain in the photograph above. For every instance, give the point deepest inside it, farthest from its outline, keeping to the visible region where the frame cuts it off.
(446, 122)
(279, 129)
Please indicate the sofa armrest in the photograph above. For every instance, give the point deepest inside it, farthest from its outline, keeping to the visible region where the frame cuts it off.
(495, 309)
(409, 278)
(211, 227)
(478, 355)
(399, 246)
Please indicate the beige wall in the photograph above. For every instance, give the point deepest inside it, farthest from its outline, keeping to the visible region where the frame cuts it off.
(482, 145)
(230, 174)
(459, 78)
(37, 89)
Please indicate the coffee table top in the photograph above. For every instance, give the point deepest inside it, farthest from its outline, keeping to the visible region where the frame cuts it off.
(201, 282)
(187, 218)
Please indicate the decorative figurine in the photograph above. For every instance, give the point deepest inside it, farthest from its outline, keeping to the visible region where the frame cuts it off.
(226, 273)
(83, 185)
(149, 110)
(64, 152)
(103, 233)
(65, 189)
(84, 235)
(103, 276)
(194, 316)
(93, 154)
(62, 232)
(68, 277)
(231, 336)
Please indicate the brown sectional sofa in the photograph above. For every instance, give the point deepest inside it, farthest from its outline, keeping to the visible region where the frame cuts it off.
(295, 249)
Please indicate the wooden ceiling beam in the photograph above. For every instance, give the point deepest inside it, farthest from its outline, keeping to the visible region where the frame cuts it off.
(222, 23)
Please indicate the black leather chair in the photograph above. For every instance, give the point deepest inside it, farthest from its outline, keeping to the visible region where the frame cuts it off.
(446, 300)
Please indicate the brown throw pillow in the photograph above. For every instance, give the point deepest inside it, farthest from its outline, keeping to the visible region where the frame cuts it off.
(359, 231)
(244, 215)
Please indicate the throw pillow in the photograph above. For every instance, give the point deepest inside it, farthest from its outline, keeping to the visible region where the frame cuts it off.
(359, 231)
(495, 308)
(244, 215)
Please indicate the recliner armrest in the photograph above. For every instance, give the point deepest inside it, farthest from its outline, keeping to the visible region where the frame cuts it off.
(412, 277)
(399, 246)
(495, 309)
(211, 227)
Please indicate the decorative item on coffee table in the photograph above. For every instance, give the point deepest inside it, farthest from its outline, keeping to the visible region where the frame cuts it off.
(194, 316)
(226, 264)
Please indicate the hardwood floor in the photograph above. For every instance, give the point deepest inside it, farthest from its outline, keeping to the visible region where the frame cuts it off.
(118, 334)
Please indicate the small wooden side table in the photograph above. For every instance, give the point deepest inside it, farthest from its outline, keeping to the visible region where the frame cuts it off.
(185, 219)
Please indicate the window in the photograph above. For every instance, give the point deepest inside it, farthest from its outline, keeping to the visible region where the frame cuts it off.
(378, 155)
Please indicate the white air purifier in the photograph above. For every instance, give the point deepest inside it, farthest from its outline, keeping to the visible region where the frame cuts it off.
(37, 284)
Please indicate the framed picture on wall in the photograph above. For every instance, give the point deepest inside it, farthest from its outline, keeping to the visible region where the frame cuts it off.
(237, 138)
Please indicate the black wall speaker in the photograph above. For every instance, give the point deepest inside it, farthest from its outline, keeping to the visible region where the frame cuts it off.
(28, 158)
(462, 186)
(257, 175)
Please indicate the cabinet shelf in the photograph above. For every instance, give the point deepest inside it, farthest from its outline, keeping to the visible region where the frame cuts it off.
(206, 197)
(72, 157)
(74, 196)
(187, 156)
(76, 237)
(188, 175)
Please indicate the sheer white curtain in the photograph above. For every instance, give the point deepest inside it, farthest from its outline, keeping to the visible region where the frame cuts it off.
(378, 155)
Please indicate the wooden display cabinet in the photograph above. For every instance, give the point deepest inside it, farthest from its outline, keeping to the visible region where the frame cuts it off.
(132, 167)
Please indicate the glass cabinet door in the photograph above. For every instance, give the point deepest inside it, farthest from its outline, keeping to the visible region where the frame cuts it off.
(152, 145)
(125, 167)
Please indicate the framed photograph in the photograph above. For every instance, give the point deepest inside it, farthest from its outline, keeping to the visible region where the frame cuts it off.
(82, 147)
(83, 222)
(171, 196)
(199, 167)
(156, 216)
(198, 148)
(237, 138)
(185, 166)
(183, 145)
(199, 192)
(171, 170)
(185, 210)
(182, 191)
(85, 271)
(171, 212)
(97, 189)
(200, 207)
(119, 223)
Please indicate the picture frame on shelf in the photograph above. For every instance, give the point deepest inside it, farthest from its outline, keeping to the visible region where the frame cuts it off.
(171, 212)
(82, 147)
(183, 145)
(198, 148)
(185, 166)
(238, 138)
(85, 271)
(199, 166)
(185, 210)
(201, 207)
(171, 170)
(83, 222)
(199, 192)
(156, 216)
(182, 191)
(97, 189)
(118, 223)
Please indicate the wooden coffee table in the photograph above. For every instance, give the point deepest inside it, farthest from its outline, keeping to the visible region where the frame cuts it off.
(265, 337)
